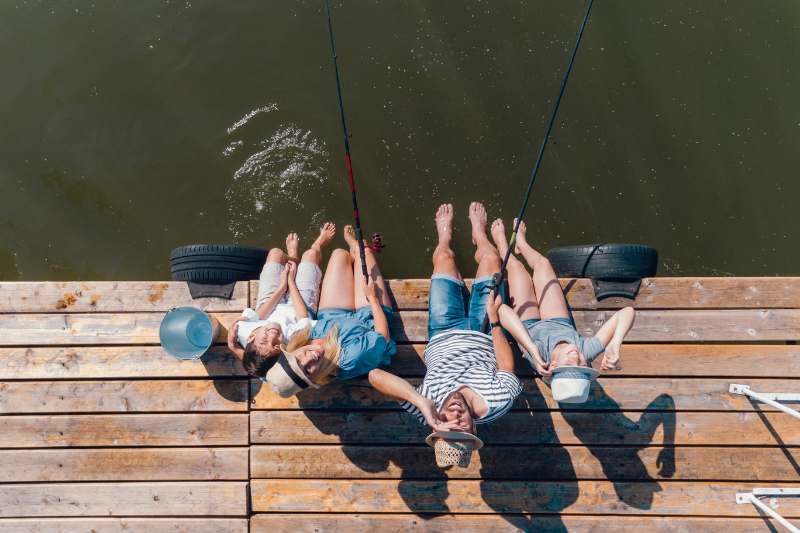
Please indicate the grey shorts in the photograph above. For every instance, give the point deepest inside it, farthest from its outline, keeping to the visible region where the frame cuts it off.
(309, 279)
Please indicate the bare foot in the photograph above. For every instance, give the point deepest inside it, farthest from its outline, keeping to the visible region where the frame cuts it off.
(350, 237)
(520, 237)
(292, 245)
(444, 223)
(477, 215)
(325, 236)
(499, 236)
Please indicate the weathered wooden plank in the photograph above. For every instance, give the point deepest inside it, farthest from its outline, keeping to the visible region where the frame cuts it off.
(122, 396)
(124, 525)
(553, 427)
(606, 393)
(126, 464)
(654, 293)
(411, 326)
(89, 328)
(676, 360)
(123, 430)
(113, 362)
(658, 325)
(124, 499)
(643, 464)
(110, 297)
(580, 497)
(506, 523)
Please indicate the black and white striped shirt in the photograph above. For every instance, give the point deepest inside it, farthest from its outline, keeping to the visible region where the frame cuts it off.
(466, 358)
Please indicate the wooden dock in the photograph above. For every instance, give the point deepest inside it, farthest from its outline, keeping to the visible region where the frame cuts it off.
(101, 431)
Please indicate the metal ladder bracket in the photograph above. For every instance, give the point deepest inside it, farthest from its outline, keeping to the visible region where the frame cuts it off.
(751, 497)
(774, 396)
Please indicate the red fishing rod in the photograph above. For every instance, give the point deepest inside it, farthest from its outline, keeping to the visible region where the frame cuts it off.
(376, 239)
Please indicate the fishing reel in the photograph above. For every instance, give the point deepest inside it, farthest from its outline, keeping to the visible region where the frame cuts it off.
(376, 244)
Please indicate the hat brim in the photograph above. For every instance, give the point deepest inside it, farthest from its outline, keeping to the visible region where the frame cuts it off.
(454, 435)
(584, 369)
(296, 367)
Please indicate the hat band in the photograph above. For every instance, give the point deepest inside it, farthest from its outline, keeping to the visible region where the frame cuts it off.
(571, 375)
(291, 373)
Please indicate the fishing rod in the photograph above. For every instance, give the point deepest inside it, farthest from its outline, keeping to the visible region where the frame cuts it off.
(359, 234)
(497, 279)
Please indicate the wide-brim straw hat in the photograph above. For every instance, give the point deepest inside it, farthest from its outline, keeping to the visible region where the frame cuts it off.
(286, 378)
(571, 384)
(454, 448)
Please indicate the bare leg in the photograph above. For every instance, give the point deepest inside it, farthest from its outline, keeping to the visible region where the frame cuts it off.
(337, 285)
(552, 303)
(444, 260)
(276, 255)
(292, 245)
(314, 254)
(520, 285)
(358, 276)
(486, 254)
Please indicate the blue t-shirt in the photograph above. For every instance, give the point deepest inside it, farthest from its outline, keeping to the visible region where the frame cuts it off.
(363, 349)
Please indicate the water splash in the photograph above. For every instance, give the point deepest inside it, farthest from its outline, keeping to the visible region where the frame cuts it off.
(251, 114)
(269, 192)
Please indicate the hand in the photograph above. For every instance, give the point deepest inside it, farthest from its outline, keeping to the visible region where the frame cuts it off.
(369, 288)
(283, 281)
(541, 367)
(291, 272)
(611, 357)
(233, 333)
(493, 304)
(435, 420)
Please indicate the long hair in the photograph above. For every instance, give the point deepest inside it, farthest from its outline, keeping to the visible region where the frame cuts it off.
(333, 350)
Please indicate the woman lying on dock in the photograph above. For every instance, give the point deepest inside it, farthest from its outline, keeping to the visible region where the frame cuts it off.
(539, 320)
(353, 332)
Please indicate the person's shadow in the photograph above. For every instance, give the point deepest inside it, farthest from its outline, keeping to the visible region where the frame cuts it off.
(597, 429)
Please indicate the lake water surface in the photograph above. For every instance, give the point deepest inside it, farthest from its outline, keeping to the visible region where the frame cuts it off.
(130, 128)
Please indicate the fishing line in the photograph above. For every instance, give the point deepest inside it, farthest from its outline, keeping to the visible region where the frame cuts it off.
(497, 279)
(376, 238)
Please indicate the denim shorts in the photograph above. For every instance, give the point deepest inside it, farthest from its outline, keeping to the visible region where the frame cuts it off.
(363, 315)
(452, 307)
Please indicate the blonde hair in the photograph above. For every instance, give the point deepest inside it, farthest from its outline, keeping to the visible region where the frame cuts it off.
(333, 350)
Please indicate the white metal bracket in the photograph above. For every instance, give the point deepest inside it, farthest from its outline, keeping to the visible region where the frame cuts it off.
(768, 398)
(751, 497)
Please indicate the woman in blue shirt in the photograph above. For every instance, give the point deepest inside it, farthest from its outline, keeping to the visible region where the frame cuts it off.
(353, 332)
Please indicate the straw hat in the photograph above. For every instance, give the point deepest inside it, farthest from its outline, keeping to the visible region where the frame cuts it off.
(286, 378)
(453, 448)
(570, 384)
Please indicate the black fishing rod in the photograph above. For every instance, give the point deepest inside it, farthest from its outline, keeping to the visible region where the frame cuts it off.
(359, 234)
(497, 279)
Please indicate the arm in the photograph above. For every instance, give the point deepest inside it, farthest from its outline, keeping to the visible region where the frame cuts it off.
(514, 325)
(300, 311)
(233, 336)
(401, 390)
(502, 350)
(381, 325)
(612, 333)
(267, 307)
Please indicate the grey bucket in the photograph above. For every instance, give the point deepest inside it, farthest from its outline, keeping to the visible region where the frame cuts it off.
(187, 332)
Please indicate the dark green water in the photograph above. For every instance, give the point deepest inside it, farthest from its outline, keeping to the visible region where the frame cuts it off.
(130, 128)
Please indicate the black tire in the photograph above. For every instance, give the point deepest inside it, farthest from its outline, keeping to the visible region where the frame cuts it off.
(607, 261)
(217, 251)
(212, 276)
(217, 263)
